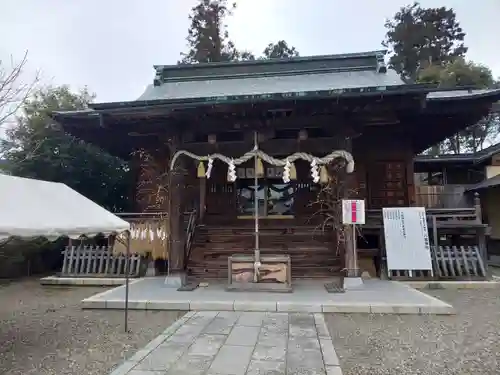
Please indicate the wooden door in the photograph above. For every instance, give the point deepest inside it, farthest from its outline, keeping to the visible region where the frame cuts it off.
(387, 184)
(220, 196)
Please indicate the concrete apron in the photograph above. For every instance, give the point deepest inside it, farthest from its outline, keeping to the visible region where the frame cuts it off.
(373, 297)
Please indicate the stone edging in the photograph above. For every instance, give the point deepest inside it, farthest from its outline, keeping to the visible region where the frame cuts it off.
(453, 284)
(269, 306)
(330, 358)
(83, 281)
(126, 366)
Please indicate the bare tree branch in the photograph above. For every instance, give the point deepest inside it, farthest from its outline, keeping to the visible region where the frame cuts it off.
(13, 92)
(329, 204)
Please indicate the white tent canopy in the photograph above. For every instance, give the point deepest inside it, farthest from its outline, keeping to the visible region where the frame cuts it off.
(34, 208)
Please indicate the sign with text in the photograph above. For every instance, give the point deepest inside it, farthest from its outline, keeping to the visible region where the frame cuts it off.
(353, 211)
(407, 239)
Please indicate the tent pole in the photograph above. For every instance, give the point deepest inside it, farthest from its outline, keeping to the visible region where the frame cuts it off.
(127, 276)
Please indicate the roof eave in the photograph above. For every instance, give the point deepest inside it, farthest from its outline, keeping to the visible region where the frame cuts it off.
(298, 95)
(445, 159)
(468, 93)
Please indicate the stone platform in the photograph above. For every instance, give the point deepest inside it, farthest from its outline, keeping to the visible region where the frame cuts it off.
(233, 343)
(376, 296)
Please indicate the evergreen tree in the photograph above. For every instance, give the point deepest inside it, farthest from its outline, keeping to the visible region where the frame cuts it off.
(37, 148)
(208, 38)
(466, 74)
(279, 50)
(419, 37)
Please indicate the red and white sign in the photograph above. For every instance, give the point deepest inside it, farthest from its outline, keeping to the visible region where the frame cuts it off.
(353, 211)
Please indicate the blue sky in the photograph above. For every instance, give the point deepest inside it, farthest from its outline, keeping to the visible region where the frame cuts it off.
(111, 45)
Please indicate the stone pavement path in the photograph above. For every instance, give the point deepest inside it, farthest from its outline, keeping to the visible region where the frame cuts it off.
(234, 343)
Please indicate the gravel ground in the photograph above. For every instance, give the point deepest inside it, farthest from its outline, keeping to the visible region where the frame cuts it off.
(467, 343)
(43, 331)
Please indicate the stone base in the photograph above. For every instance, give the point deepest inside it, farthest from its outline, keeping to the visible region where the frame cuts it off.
(259, 287)
(151, 271)
(175, 280)
(353, 283)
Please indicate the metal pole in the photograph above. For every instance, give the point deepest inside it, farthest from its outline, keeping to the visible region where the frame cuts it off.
(127, 275)
(169, 241)
(256, 204)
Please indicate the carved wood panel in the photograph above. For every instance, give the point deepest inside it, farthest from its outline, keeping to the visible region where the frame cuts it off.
(387, 184)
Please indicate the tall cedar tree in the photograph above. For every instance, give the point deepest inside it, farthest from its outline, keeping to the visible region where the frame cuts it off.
(418, 37)
(208, 38)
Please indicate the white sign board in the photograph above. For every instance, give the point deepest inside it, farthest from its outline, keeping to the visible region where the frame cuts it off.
(353, 211)
(407, 239)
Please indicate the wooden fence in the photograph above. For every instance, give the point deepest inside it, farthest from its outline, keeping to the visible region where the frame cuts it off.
(449, 263)
(442, 196)
(97, 261)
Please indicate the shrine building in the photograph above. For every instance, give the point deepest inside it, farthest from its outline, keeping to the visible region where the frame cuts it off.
(351, 103)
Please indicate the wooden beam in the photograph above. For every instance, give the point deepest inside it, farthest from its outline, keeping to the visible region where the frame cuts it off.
(317, 146)
(335, 122)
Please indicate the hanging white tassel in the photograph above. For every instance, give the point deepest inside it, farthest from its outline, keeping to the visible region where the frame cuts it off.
(209, 167)
(314, 171)
(231, 173)
(286, 172)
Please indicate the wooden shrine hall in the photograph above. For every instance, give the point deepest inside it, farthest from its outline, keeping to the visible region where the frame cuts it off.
(351, 104)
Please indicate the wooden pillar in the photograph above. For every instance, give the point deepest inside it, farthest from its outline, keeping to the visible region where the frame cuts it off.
(176, 184)
(410, 179)
(203, 197)
(351, 254)
(477, 208)
(350, 246)
(481, 232)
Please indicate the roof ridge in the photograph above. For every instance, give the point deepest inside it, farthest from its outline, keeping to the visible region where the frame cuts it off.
(272, 67)
(272, 74)
(339, 56)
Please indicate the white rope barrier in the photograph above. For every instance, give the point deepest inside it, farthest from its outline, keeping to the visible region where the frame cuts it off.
(315, 162)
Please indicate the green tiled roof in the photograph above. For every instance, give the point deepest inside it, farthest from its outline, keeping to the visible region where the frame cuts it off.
(282, 84)
(292, 77)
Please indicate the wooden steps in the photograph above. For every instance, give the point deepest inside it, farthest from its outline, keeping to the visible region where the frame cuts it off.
(311, 253)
